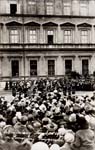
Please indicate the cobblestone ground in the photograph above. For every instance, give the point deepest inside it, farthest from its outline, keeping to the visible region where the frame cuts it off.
(9, 97)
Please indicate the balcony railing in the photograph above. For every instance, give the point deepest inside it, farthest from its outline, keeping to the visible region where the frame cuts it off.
(28, 46)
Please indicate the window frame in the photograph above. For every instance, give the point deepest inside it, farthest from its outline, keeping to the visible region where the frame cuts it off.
(35, 70)
(32, 36)
(69, 70)
(51, 67)
(68, 38)
(66, 5)
(84, 39)
(85, 6)
(14, 12)
(15, 36)
(15, 67)
(85, 71)
(50, 33)
(49, 8)
(31, 5)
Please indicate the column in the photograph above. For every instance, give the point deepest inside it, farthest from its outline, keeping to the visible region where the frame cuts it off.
(41, 40)
(76, 34)
(77, 65)
(92, 40)
(59, 66)
(60, 35)
(1, 58)
(5, 36)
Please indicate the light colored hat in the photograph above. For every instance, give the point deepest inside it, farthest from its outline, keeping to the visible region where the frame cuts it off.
(43, 108)
(91, 120)
(40, 145)
(18, 115)
(69, 137)
(46, 120)
(2, 124)
(55, 91)
(72, 117)
(55, 147)
(88, 107)
(36, 124)
(62, 131)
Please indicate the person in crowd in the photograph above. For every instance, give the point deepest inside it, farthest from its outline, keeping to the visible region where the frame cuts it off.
(69, 139)
(84, 137)
(43, 106)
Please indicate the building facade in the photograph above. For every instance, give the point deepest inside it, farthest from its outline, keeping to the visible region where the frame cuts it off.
(40, 38)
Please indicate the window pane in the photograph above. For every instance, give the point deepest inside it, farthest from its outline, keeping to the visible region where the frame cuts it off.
(66, 8)
(32, 36)
(51, 67)
(83, 7)
(50, 36)
(67, 36)
(68, 66)
(49, 8)
(84, 36)
(31, 7)
(13, 8)
(50, 32)
(14, 36)
(85, 67)
(33, 67)
(15, 68)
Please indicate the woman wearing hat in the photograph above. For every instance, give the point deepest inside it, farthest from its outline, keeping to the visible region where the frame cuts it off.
(84, 137)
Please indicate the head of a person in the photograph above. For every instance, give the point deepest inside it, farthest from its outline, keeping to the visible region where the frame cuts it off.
(82, 122)
(24, 120)
(69, 137)
(55, 147)
(40, 145)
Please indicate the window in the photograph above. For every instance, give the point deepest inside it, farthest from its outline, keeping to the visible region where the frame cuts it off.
(50, 37)
(31, 7)
(68, 66)
(84, 36)
(67, 36)
(13, 8)
(15, 68)
(85, 67)
(14, 36)
(32, 36)
(33, 67)
(66, 8)
(49, 8)
(83, 7)
(51, 67)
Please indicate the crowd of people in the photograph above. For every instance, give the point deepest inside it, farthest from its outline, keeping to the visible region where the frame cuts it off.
(79, 84)
(47, 114)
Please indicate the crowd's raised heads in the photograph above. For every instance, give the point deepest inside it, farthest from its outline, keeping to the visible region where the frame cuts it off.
(18, 115)
(69, 138)
(40, 146)
(62, 131)
(72, 117)
(55, 147)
